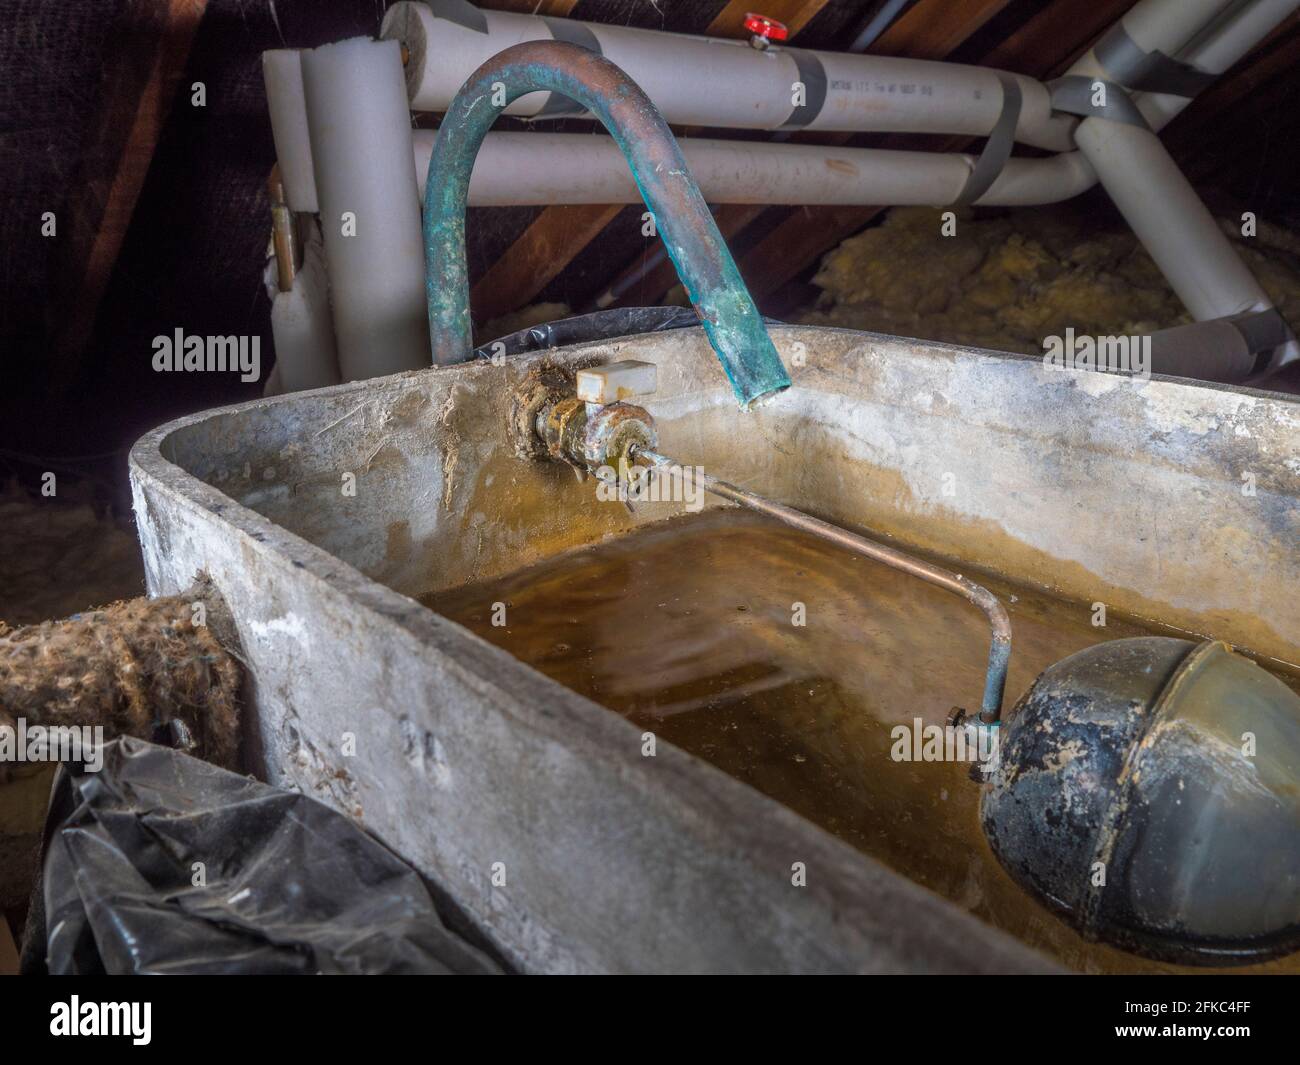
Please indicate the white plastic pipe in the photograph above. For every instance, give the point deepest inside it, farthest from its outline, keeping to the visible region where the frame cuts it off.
(707, 81)
(282, 73)
(525, 168)
(514, 169)
(1168, 25)
(571, 168)
(1040, 181)
(369, 208)
(1152, 193)
(532, 168)
(1170, 220)
(273, 386)
(1235, 37)
(305, 352)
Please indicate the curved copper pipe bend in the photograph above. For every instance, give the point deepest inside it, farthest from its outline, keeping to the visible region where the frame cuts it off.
(698, 251)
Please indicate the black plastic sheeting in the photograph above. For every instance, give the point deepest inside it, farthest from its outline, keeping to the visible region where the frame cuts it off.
(162, 863)
(599, 325)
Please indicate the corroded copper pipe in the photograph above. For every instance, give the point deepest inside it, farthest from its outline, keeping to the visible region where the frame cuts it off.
(705, 266)
(1000, 647)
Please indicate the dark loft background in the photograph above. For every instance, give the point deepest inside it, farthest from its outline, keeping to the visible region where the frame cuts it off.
(163, 216)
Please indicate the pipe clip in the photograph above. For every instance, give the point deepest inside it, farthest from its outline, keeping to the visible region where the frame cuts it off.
(997, 149)
(1077, 94)
(1127, 64)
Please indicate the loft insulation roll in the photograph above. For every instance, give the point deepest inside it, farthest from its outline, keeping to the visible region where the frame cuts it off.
(370, 215)
(282, 73)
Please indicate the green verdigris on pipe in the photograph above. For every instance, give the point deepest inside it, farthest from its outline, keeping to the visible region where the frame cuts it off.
(704, 265)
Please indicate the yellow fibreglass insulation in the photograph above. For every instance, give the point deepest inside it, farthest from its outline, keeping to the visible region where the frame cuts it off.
(1007, 282)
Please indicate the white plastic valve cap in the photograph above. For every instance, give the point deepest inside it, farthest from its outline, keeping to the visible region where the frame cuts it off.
(617, 382)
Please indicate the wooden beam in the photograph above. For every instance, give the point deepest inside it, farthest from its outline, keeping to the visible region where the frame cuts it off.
(1049, 43)
(558, 8)
(1045, 44)
(542, 251)
(933, 29)
(650, 288)
(144, 58)
(796, 14)
(559, 234)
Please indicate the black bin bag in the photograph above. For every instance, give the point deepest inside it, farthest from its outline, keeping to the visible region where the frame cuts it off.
(162, 863)
(598, 325)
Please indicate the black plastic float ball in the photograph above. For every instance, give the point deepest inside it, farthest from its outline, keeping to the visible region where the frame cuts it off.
(1148, 790)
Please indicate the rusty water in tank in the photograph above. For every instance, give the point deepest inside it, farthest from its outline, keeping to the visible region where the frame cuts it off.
(690, 628)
